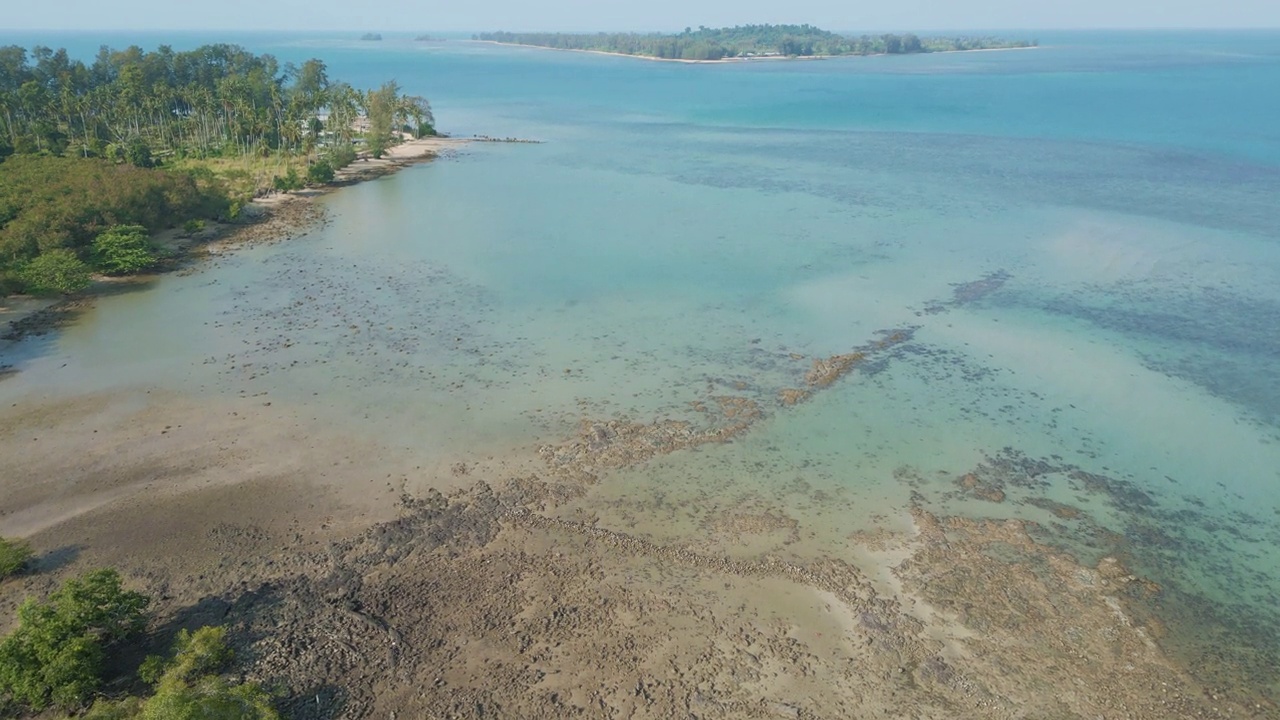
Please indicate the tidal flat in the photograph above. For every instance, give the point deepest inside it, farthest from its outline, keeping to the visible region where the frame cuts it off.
(738, 397)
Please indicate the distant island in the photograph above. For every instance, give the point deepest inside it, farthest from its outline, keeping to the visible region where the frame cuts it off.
(371, 36)
(750, 41)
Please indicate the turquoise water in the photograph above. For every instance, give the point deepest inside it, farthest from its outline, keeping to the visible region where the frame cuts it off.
(685, 229)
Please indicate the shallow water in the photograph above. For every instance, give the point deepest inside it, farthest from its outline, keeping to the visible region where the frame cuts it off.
(686, 229)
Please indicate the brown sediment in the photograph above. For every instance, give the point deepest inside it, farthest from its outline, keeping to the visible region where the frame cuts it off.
(737, 408)
(1155, 562)
(486, 603)
(1038, 608)
(743, 521)
(282, 218)
(603, 445)
(43, 320)
(827, 370)
(497, 601)
(473, 605)
(981, 489)
(614, 444)
(792, 396)
(1061, 510)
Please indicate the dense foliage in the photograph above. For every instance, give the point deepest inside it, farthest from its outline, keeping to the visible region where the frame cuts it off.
(56, 203)
(14, 556)
(216, 100)
(190, 686)
(55, 271)
(747, 41)
(57, 653)
(123, 249)
(157, 139)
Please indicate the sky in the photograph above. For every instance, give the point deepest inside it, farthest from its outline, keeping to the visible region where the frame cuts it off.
(576, 15)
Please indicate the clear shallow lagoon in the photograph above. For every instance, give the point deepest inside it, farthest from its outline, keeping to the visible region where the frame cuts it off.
(685, 229)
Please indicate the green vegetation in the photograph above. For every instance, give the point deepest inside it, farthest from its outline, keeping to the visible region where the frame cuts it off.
(123, 249)
(55, 271)
(320, 173)
(53, 208)
(57, 653)
(289, 181)
(14, 556)
(190, 686)
(748, 41)
(381, 105)
(155, 139)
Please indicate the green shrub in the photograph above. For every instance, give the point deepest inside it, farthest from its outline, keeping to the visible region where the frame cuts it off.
(48, 203)
(196, 654)
(320, 173)
(138, 153)
(289, 181)
(126, 709)
(56, 655)
(55, 271)
(211, 698)
(191, 227)
(191, 687)
(14, 556)
(123, 249)
(341, 156)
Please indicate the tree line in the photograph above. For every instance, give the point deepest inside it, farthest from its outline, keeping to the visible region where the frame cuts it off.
(154, 140)
(749, 41)
(216, 100)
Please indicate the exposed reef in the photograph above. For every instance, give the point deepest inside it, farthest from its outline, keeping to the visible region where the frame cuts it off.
(475, 605)
(1189, 578)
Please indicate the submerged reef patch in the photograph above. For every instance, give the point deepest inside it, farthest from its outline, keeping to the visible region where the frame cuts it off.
(969, 293)
(1196, 578)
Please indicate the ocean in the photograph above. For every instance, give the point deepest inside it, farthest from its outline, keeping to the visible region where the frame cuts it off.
(1062, 265)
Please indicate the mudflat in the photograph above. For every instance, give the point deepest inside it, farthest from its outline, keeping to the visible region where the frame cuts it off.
(365, 579)
(369, 587)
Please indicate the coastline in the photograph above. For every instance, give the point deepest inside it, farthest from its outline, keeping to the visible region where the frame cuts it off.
(723, 61)
(555, 584)
(560, 601)
(272, 217)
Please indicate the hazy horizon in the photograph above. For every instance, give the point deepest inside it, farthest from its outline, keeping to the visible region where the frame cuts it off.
(659, 15)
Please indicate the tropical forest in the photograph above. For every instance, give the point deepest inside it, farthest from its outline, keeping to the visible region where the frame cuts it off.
(96, 156)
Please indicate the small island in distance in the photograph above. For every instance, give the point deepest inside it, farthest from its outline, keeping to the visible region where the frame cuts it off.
(749, 42)
(371, 36)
